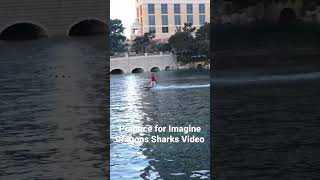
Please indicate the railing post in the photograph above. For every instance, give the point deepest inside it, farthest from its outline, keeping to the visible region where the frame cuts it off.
(161, 53)
(145, 54)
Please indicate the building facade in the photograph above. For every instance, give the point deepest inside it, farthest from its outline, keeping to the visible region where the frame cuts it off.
(163, 17)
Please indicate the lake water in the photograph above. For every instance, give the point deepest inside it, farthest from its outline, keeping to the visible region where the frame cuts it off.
(180, 99)
(266, 123)
(53, 109)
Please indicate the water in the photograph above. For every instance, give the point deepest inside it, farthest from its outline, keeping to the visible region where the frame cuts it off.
(52, 109)
(183, 86)
(266, 123)
(180, 99)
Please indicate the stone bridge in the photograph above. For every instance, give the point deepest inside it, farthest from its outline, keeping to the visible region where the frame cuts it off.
(142, 63)
(21, 19)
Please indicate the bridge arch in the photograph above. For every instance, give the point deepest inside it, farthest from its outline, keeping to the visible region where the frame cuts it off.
(155, 69)
(199, 66)
(24, 30)
(138, 70)
(287, 15)
(88, 27)
(117, 71)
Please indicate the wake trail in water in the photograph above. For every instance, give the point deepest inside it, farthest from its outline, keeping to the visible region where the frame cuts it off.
(270, 78)
(187, 86)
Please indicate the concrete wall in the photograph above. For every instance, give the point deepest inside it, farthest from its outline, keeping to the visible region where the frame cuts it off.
(54, 16)
(147, 62)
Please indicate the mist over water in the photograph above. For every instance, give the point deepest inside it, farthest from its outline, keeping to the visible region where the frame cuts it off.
(53, 109)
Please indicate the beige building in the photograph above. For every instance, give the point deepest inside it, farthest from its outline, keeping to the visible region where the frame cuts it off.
(164, 16)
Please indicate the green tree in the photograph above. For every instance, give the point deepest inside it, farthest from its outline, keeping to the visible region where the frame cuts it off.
(187, 28)
(164, 47)
(142, 44)
(191, 46)
(117, 39)
(202, 41)
(182, 43)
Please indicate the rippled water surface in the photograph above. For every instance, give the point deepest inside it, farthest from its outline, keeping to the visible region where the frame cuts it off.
(266, 126)
(180, 99)
(52, 109)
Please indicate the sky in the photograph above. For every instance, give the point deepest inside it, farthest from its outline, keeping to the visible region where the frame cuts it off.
(125, 11)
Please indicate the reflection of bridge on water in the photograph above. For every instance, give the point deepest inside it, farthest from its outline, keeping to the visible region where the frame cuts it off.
(152, 62)
(34, 19)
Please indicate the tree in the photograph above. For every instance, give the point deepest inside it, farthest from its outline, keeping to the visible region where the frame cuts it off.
(182, 40)
(142, 44)
(191, 46)
(117, 40)
(163, 47)
(187, 28)
(202, 40)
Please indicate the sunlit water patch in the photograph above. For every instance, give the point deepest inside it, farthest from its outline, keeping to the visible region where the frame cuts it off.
(180, 99)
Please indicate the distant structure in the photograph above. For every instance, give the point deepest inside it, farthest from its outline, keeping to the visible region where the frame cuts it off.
(143, 63)
(272, 11)
(33, 18)
(136, 30)
(165, 16)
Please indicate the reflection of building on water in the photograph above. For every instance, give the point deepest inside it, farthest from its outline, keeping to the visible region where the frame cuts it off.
(240, 12)
(36, 19)
(164, 17)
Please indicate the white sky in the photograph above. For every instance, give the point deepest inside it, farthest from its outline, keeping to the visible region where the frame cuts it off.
(125, 10)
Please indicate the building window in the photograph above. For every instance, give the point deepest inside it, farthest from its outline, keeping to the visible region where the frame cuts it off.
(177, 8)
(165, 29)
(177, 19)
(164, 8)
(152, 20)
(150, 8)
(164, 19)
(202, 8)
(189, 9)
(190, 19)
(202, 19)
(152, 29)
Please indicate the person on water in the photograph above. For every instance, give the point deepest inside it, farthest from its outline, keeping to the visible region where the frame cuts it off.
(153, 80)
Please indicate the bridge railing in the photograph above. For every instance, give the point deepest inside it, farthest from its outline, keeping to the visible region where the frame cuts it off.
(127, 55)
